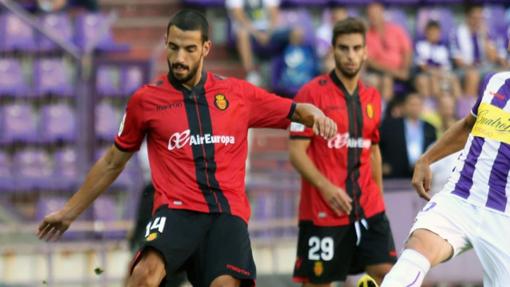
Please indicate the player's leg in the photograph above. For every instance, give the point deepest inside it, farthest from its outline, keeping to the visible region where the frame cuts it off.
(324, 254)
(375, 253)
(149, 271)
(437, 235)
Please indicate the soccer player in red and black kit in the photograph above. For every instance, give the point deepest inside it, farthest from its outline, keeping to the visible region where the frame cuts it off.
(196, 125)
(342, 225)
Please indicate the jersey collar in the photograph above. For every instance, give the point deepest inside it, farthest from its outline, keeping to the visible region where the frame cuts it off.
(178, 86)
(341, 86)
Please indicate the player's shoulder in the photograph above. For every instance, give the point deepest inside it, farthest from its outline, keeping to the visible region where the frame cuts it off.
(319, 82)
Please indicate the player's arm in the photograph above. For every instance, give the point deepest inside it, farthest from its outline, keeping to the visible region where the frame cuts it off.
(98, 179)
(336, 197)
(312, 117)
(376, 164)
(452, 141)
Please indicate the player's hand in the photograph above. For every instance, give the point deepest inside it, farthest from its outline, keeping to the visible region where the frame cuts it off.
(53, 226)
(324, 127)
(422, 177)
(337, 199)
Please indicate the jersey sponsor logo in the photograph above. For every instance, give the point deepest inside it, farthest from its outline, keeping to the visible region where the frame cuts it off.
(121, 127)
(318, 268)
(221, 102)
(370, 111)
(297, 127)
(181, 139)
(492, 123)
(343, 140)
(169, 106)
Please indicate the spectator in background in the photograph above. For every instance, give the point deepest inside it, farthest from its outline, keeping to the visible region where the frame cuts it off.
(50, 6)
(324, 34)
(405, 139)
(389, 52)
(255, 27)
(474, 54)
(434, 78)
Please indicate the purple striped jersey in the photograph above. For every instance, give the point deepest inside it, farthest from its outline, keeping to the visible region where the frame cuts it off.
(481, 175)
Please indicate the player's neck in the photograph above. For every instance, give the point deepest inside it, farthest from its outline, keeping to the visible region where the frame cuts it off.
(350, 84)
(193, 81)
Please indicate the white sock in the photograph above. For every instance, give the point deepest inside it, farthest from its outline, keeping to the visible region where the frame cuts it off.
(409, 271)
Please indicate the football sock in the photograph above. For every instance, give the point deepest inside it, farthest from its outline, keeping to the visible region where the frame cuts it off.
(409, 271)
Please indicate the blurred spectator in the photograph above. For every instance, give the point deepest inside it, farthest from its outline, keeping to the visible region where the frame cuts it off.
(443, 116)
(255, 24)
(50, 6)
(324, 35)
(389, 52)
(434, 76)
(474, 54)
(403, 140)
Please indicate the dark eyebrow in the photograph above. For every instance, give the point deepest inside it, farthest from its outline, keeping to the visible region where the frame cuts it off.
(187, 47)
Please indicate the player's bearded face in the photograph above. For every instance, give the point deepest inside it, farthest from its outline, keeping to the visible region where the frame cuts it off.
(185, 53)
(350, 54)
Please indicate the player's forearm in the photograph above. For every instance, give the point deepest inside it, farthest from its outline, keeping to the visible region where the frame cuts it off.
(376, 165)
(306, 167)
(98, 179)
(306, 114)
(452, 141)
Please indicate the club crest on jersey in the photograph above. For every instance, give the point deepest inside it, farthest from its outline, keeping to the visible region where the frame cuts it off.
(221, 102)
(370, 111)
(318, 268)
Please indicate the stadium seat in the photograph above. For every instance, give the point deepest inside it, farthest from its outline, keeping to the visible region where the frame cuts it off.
(304, 3)
(6, 182)
(65, 172)
(12, 80)
(441, 14)
(107, 121)
(60, 24)
(93, 32)
(132, 79)
(58, 123)
(204, 3)
(445, 2)
(53, 76)
(33, 169)
(19, 123)
(105, 210)
(108, 79)
(16, 35)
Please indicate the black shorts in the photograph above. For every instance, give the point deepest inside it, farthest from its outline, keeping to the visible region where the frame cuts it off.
(326, 254)
(203, 245)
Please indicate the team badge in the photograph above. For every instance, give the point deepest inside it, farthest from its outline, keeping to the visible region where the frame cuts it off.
(318, 268)
(370, 111)
(221, 102)
(152, 236)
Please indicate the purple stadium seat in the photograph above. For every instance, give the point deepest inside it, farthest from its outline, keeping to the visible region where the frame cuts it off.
(6, 182)
(19, 123)
(65, 172)
(350, 2)
(304, 3)
(398, 17)
(33, 169)
(93, 32)
(108, 80)
(53, 75)
(15, 34)
(446, 2)
(107, 121)
(58, 123)
(132, 79)
(58, 23)
(441, 14)
(12, 80)
(495, 18)
(105, 210)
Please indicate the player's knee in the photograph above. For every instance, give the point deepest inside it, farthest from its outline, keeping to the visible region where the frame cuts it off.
(142, 276)
(225, 281)
(430, 245)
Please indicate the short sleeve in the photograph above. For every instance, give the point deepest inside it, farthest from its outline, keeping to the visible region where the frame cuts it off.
(132, 128)
(481, 91)
(375, 138)
(267, 110)
(298, 130)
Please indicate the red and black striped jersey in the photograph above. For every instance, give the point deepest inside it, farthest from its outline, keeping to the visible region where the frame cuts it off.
(197, 139)
(346, 158)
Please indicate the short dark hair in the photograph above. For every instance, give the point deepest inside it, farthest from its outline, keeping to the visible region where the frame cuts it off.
(190, 20)
(432, 24)
(350, 25)
(470, 6)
